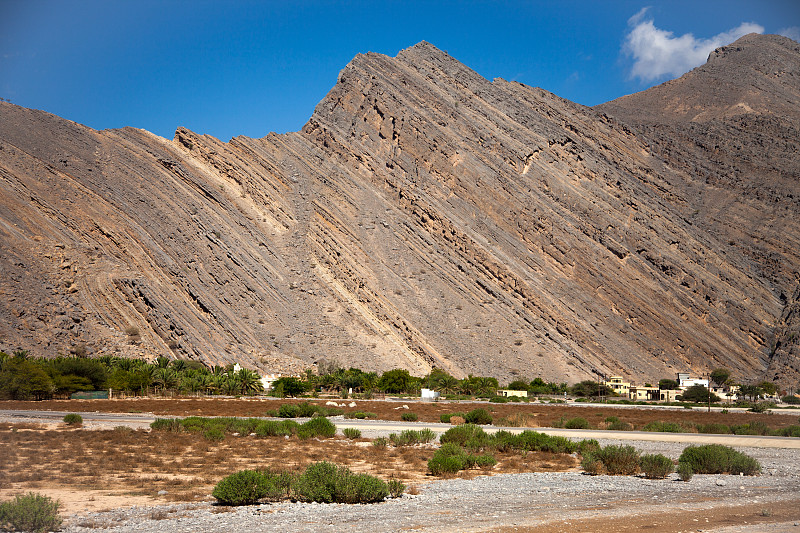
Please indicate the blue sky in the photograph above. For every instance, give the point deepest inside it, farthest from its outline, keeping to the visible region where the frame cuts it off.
(248, 68)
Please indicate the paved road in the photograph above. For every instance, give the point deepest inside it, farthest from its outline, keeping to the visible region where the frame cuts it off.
(376, 428)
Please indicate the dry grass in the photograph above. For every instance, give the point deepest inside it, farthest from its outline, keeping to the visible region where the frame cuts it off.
(187, 466)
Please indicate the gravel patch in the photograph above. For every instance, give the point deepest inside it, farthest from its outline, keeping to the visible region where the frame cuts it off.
(478, 504)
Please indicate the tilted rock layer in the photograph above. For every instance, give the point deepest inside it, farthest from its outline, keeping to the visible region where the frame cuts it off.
(425, 216)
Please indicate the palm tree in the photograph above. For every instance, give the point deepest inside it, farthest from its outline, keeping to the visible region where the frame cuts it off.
(249, 381)
(447, 384)
(231, 385)
(166, 378)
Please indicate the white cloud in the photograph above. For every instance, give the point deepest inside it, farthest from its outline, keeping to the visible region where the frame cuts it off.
(792, 32)
(657, 53)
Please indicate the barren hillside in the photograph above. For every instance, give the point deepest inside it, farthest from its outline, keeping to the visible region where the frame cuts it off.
(423, 216)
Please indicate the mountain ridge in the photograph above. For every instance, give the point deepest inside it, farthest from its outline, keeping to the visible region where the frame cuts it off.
(424, 216)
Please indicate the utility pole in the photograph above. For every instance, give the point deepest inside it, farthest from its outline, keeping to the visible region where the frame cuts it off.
(708, 388)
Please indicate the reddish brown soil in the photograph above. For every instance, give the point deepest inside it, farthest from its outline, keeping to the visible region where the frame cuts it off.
(541, 415)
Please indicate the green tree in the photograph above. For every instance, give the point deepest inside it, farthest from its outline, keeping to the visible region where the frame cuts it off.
(24, 379)
(518, 385)
(289, 386)
(395, 381)
(668, 384)
(720, 376)
(588, 388)
(751, 391)
(699, 394)
(769, 388)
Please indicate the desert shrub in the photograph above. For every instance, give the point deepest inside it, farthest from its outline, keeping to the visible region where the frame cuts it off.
(753, 428)
(592, 465)
(656, 466)
(448, 459)
(273, 428)
(324, 482)
(409, 417)
(464, 433)
(446, 418)
(351, 433)
(166, 424)
(616, 460)
(744, 464)
(718, 459)
(361, 415)
(762, 407)
(396, 488)
(30, 512)
(499, 399)
(532, 441)
(790, 431)
(685, 471)
(247, 487)
(587, 445)
(317, 427)
(380, 442)
(73, 419)
(481, 461)
(713, 428)
(620, 426)
(664, 427)
(213, 434)
(478, 416)
(409, 437)
(577, 423)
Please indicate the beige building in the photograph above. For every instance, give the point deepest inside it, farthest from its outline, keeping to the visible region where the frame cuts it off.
(618, 385)
(644, 394)
(508, 393)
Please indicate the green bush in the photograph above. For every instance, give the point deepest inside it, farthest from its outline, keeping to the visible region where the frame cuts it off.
(791, 431)
(478, 416)
(360, 415)
(791, 399)
(713, 428)
(664, 427)
(380, 442)
(656, 466)
(463, 434)
(450, 458)
(247, 487)
(445, 417)
(685, 471)
(615, 460)
(396, 488)
(531, 441)
(73, 419)
(274, 428)
(317, 427)
(499, 399)
(166, 424)
(214, 434)
(351, 433)
(324, 482)
(577, 423)
(410, 437)
(409, 417)
(719, 459)
(30, 512)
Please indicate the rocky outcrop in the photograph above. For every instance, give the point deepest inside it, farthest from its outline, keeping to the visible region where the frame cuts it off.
(424, 216)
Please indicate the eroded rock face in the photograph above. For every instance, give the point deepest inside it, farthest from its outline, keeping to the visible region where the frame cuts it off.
(424, 216)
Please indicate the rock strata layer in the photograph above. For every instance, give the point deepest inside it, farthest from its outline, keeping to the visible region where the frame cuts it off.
(424, 216)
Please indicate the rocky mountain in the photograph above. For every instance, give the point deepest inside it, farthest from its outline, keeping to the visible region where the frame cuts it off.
(425, 216)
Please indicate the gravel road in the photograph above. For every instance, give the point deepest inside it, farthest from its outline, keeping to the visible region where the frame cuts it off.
(500, 502)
